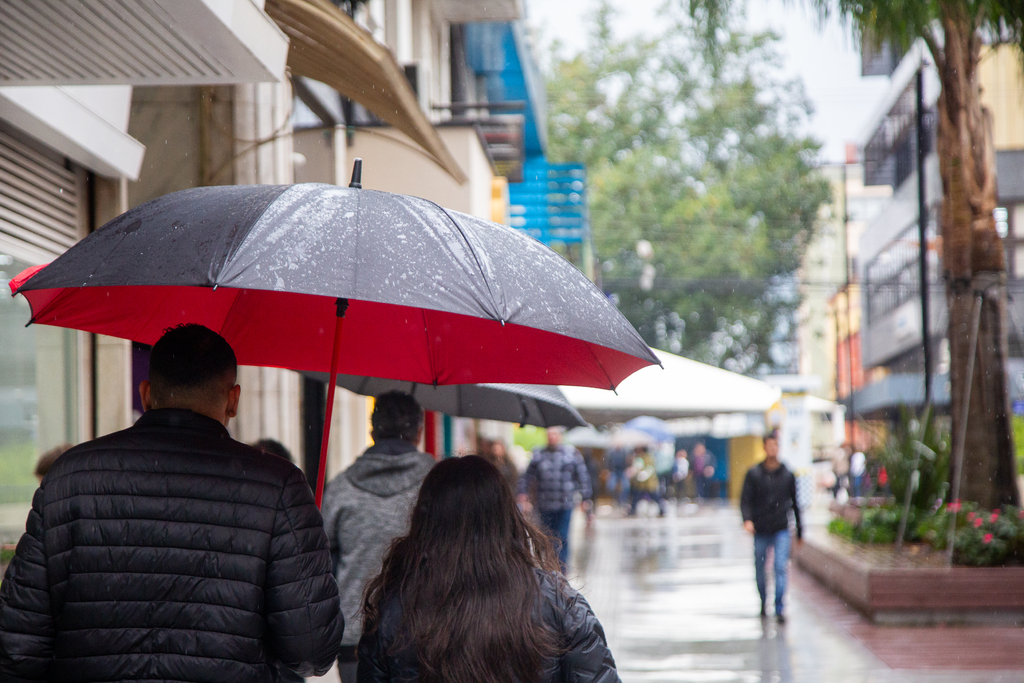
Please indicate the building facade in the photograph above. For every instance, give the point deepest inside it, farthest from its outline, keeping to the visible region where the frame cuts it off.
(892, 334)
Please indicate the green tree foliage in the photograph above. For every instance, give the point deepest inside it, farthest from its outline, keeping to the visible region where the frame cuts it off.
(698, 153)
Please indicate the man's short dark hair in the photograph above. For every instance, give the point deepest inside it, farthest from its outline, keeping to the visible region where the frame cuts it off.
(773, 435)
(190, 357)
(396, 415)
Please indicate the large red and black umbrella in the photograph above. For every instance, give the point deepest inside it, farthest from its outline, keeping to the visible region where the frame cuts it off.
(423, 294)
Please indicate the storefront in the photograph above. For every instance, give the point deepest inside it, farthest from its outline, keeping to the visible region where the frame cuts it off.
(41, 215)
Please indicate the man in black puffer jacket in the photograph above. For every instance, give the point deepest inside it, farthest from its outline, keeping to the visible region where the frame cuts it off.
(169, 551)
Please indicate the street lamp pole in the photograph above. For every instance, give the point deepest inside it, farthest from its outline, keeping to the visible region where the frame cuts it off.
(922, 230)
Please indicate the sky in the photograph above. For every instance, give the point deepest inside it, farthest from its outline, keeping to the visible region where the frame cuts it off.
(824, 57)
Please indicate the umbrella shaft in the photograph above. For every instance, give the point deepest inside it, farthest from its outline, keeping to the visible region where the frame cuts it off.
(329, 413)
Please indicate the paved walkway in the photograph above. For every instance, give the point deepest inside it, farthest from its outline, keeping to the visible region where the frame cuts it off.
(678, 602)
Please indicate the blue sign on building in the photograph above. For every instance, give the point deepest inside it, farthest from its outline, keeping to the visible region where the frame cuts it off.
(551, 202)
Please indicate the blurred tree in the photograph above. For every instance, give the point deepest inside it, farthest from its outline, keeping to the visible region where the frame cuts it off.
(955, 32)
(703, 195)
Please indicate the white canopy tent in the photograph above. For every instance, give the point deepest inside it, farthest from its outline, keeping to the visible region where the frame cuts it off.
(684, 388)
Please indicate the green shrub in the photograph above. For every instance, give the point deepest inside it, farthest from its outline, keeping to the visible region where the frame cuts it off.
(840, 526)
(921, 442)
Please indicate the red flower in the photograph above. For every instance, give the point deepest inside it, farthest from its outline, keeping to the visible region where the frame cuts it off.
(987, 539)
(955, 507)
(1020, 515)
(978, 522)
(970, 516)
(994, 517)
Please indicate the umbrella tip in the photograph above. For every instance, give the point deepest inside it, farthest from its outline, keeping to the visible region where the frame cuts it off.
(357, 174)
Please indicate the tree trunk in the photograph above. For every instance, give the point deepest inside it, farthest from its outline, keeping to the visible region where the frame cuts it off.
(975, 266)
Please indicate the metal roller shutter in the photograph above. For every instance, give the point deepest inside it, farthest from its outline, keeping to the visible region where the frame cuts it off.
(40, 199)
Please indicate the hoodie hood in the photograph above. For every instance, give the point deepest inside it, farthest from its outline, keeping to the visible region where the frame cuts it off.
(389, 467)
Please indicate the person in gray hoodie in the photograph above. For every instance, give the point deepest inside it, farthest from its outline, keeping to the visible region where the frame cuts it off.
(368, 505)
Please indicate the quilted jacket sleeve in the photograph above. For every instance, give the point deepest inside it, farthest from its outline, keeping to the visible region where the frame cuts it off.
(587, 658)
(304, 617)
(26, 620)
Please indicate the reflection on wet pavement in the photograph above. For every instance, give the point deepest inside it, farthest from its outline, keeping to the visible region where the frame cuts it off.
(678, 602)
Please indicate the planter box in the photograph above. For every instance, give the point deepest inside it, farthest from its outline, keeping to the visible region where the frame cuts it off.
(908, 589)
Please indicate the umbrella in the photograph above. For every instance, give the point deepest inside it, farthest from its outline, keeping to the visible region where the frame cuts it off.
(532, 404)
(658, 429)
(291, 275)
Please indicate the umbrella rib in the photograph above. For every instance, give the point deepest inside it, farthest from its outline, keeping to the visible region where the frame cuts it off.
(611, 384)
(476, 258)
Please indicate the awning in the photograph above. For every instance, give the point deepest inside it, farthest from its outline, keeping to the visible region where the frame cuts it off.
(684, 388)
(328, 46)
(138, 42)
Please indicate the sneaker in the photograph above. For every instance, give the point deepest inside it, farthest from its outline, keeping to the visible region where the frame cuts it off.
(780, 618)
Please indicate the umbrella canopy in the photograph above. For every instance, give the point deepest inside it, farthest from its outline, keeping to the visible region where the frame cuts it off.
(328, 279)
(620, 437)
(658, 429)
(532, 404)
(682, 388)
(436, 297)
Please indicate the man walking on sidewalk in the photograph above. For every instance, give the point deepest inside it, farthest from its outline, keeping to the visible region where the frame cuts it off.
(555, 475)
(769, 493)
(368, 505)
(169, 551)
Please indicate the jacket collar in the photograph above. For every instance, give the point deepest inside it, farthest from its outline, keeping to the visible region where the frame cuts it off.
(392, 447)
(179, 418)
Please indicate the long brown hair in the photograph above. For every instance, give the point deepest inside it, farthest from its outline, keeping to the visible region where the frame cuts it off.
(465, 579)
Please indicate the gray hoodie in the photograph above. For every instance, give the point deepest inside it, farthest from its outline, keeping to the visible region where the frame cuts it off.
(365, 508)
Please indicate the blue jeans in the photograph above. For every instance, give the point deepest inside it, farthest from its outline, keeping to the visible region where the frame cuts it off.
(614, 479)
(781, 542)
(556, 523)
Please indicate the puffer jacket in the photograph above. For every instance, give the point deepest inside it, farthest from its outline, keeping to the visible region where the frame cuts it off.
(169, 552)
(586, 658)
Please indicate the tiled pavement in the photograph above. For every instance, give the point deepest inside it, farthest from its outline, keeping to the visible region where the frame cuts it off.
(678, 602)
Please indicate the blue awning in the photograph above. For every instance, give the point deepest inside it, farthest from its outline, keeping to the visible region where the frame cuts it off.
(498, 51)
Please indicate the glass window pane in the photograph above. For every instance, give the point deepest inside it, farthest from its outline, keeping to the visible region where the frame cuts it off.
(19, 422)
(38, 391)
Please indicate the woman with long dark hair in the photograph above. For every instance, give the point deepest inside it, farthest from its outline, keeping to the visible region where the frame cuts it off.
(473, 594)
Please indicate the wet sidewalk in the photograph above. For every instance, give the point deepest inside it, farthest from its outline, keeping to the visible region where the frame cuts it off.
(678, 602)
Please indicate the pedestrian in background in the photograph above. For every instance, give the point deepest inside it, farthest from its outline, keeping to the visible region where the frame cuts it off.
(367, 506)
(497, 455)
(680, 473)
(645, 484)
(699, 462)
(664, 465)
(858, 470)
(556, 475)
(473, 593)
(769, 494)
(618, 461)
(169, 551)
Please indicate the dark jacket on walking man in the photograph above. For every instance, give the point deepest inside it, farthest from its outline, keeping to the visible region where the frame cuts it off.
(367, 506)
(556, 474)
(769, 494)
(169, 551)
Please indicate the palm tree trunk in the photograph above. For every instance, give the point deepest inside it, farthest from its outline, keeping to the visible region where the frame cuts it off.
(974, 266)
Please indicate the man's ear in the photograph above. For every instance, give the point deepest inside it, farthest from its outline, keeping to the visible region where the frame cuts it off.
(232, 407)
(145, 393)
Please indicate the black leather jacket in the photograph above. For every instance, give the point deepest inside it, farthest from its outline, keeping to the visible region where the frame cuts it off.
(165, 552)
(586, 659)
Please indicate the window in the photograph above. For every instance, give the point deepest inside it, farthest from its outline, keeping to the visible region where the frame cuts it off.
(38, 390)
